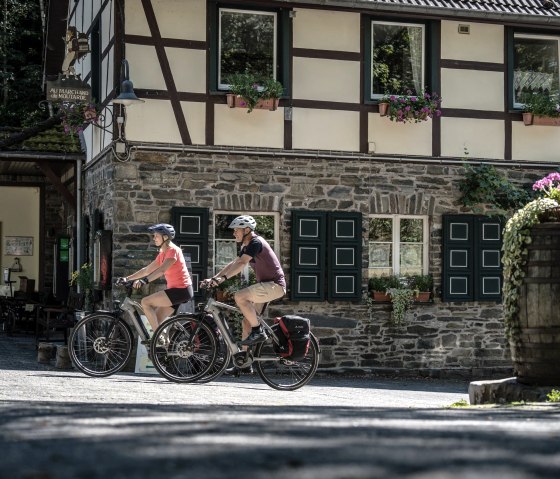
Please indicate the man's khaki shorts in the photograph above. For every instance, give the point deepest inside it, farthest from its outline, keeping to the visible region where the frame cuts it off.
(260, 293)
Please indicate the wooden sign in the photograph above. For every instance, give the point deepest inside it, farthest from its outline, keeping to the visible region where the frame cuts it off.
(68, 89)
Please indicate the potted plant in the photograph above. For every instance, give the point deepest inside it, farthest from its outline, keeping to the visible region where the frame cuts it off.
(422, 285)
(411, 108)
(401, 299)
(541, 108)
(77, 116)
(378, 286)
(251, 91)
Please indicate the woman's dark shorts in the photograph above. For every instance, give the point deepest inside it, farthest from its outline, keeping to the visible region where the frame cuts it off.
(179, 295)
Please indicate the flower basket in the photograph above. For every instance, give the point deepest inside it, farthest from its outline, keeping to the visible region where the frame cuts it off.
(383, 108)
(410, 107)
(236, 101)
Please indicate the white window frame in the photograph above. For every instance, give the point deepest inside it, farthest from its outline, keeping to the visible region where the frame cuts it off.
(396, 220)
(276, 240)
(516, 35)
(225, 86)
(377, 96)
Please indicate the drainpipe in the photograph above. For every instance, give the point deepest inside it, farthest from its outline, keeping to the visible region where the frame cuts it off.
(79, 224)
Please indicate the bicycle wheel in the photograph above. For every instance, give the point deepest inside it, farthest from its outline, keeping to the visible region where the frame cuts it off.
(100, 345)
(220, 363)
(183, 348)
(284, 374)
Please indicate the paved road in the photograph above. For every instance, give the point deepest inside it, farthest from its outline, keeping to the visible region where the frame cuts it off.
(57, 424)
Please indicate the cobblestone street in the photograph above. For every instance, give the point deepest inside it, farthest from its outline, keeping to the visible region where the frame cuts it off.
(60, 424)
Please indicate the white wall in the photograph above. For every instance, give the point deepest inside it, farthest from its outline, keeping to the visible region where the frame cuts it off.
(19, 216)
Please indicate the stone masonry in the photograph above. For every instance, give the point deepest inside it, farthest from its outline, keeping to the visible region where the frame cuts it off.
(437, 339)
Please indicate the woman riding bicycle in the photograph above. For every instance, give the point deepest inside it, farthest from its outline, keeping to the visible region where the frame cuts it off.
(171, 263)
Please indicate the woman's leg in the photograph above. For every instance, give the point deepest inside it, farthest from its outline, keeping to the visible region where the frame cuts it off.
(156, 307)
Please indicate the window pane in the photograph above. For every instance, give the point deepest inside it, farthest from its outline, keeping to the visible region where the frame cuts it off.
(411, 258)
(246, 44)
(380, 255)
(535, 66)
(412, 230)
(397, 59)
(381, 229)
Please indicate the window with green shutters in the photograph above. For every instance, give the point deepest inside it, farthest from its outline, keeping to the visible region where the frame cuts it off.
(326, 256)
(472, 268)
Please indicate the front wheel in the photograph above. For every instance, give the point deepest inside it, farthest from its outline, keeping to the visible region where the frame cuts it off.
(284, 374)
(100, 345)
(183, 348)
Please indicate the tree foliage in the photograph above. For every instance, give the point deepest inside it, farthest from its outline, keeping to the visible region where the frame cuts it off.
(21, 62)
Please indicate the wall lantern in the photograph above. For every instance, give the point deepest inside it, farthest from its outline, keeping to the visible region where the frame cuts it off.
(127, 96)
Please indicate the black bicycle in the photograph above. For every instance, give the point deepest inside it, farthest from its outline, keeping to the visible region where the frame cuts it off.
(275, 370)
(102, 342)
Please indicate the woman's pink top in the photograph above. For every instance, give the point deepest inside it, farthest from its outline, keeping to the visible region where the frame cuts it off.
(177, 276)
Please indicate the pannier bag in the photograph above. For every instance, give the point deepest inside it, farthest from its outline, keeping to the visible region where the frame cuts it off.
(293, 337)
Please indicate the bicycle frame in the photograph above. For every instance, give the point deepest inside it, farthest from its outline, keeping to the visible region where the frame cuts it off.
(134, 311)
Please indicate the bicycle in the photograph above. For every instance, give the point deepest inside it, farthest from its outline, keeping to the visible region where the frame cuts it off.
(101, 343)
(276, 371)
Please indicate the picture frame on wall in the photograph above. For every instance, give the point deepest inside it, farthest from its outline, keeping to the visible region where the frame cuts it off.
(18, 245)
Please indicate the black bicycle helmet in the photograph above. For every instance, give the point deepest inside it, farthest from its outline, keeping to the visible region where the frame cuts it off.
(164, 229)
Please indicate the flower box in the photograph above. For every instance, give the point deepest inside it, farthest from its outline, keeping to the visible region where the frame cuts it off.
(236, 101)
(422, 297)
(380, 296)
(546, 120)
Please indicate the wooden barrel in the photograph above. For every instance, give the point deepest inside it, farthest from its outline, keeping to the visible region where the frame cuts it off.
(536, 355)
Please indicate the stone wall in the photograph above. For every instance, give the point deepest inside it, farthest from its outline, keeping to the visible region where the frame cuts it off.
(436, 339)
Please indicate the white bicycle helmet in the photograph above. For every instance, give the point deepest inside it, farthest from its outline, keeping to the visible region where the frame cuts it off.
(164, 229)
(244, 221)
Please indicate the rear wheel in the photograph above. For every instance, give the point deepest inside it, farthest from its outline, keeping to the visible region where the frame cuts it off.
(284, 374)
(100, 345)
(183, 348)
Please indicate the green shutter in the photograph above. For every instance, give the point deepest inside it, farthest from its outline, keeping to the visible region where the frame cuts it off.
(191, 234)
(344, 256)
(458, 264)
(308, 255)
(472, 269)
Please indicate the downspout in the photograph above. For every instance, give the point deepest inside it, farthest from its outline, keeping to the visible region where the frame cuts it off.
(79, 223)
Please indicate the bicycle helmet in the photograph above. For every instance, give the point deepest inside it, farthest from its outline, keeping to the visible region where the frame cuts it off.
(163, 229)
(243, 221)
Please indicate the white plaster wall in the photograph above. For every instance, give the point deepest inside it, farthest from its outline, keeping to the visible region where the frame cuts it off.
(260, 128)
(393, 138)
(181, 19)
(326, 80)
(154, 121)
(535, 142)
(144, 67)
(325, 129)
(485, 43)
(326, 30)
(480, 138)
(474, 90)
(188, 68)
(17, 203)
(135, 19)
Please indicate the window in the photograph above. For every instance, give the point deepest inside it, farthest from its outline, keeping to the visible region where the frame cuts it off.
(397, 55)
(225, 247)
(398, 245)
(249, 40)
(535, 65)
(247, 43)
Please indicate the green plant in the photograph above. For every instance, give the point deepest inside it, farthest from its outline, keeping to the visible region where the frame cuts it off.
(413, 108)
(252, 88)
(77, 116)
(401, 299)
(541, 103)
(421, 282)
(460, 403)
(83, 277)
(553, 396)
(383, 283)
(517, 235)
(483, 185)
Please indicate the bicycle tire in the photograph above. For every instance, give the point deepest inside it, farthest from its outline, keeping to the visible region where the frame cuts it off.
(284, 374)
(183, 357)
(92, 352)
(220, 363)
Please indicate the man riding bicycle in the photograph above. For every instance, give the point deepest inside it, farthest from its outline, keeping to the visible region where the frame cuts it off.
(271, 284)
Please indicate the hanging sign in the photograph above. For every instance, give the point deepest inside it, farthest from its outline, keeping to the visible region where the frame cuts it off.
(68, 89)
